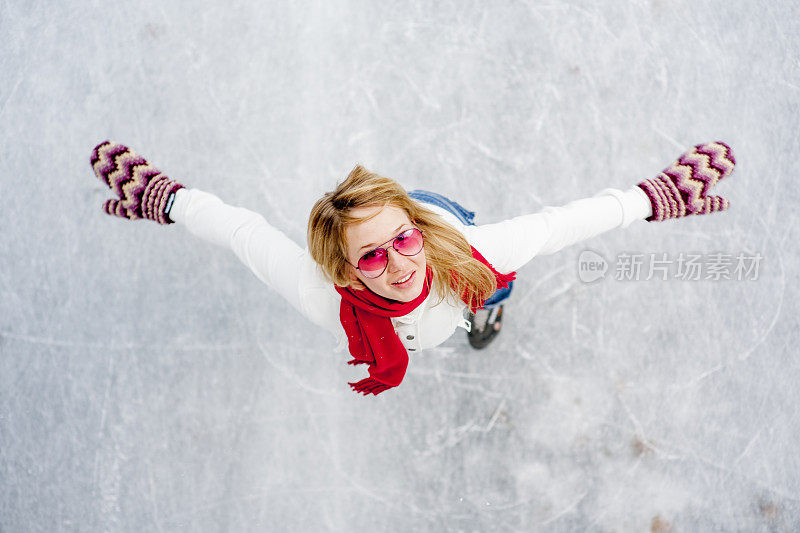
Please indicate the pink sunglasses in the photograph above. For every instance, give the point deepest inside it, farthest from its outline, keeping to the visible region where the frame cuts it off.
(373, 263)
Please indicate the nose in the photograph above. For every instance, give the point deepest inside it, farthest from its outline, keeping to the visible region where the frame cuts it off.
(396, 260)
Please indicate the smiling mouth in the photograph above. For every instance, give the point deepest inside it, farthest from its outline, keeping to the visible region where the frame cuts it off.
(405, 279)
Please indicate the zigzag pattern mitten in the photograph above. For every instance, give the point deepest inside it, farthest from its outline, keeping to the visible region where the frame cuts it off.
(682, 188)
(142, 190)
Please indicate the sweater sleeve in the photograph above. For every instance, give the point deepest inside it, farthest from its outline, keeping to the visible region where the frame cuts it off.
(275, 259)
(510, 244)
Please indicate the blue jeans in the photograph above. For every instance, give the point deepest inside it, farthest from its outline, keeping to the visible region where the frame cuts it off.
(466, 217)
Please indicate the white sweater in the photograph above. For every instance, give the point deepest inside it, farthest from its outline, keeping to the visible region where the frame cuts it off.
(289, 269)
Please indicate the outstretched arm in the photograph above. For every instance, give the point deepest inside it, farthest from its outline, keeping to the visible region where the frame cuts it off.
(144, 192)
(680, 190)
(274, 258)
(510, 244)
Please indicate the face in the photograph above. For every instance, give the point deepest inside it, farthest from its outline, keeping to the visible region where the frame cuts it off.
(387, 224)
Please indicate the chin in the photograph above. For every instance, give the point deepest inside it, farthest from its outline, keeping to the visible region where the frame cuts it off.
(404, 297)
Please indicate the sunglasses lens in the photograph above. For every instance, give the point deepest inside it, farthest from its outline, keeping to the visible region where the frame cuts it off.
(372, 264)
(409, 242)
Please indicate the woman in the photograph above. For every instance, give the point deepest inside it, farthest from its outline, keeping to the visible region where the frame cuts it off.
(390, 272)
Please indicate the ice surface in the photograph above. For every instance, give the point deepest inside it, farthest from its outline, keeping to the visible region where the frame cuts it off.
(148, 382)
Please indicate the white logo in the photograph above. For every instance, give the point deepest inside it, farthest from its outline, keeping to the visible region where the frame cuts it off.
(591, 266)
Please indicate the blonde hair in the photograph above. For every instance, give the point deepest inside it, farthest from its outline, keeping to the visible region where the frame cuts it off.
(455, 271)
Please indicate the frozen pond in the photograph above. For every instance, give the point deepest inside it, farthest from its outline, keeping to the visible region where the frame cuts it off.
(148, 382)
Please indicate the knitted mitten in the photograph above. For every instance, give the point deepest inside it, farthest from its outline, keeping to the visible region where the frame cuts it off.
(143, 191)
(682, 188)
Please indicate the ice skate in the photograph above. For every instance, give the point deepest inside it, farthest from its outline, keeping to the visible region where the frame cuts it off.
(485, 325)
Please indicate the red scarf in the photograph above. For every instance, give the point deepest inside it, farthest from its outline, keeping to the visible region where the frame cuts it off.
(366, 319)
